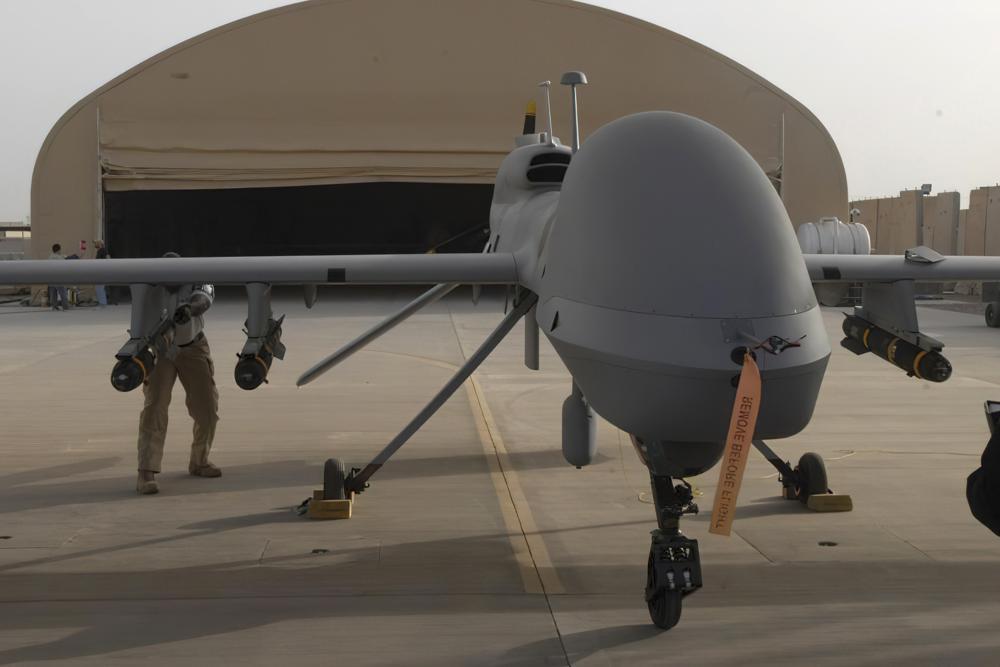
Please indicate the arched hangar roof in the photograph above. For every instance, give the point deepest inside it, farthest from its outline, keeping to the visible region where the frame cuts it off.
(334, 91)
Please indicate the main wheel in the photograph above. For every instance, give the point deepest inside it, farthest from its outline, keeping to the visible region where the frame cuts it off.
(992, 315)
(333, 480)
(664, 605)
(812, 476)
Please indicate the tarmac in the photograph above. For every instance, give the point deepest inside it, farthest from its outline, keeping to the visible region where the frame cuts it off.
(477, 544)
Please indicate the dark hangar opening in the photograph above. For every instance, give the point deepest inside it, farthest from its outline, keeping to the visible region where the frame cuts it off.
(359, 218)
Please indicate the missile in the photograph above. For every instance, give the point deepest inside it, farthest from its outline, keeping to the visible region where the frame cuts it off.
(137, 358)
(131, 371)
(863, 336)
(254, 361)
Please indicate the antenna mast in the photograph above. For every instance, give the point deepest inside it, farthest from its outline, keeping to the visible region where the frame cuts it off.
(546, 86)
(574, 79)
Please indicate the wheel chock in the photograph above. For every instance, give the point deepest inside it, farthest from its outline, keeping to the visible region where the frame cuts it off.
(329, 509)
(830, 502)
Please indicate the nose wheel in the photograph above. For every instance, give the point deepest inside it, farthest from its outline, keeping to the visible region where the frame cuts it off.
(664, 604)
(673, 570)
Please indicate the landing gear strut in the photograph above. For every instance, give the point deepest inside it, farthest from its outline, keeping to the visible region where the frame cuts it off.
(356, 481)
(674, 566)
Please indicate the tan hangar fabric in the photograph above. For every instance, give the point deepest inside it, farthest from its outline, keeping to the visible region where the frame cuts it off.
(340, 91)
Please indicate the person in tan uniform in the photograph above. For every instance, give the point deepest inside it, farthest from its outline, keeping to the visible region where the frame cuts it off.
(190, 360)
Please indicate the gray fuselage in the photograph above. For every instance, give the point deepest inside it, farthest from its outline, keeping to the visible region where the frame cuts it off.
(664, 248)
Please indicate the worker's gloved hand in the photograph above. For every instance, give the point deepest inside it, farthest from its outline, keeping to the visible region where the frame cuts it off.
(183, 314)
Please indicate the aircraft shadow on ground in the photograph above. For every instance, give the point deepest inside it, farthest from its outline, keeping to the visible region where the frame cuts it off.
(22, 491)
(759, 507)
(640, 642)
(580, 645)
(57, 471)
(392, 580)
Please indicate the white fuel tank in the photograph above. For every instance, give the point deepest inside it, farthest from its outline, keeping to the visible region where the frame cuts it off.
(830, 236)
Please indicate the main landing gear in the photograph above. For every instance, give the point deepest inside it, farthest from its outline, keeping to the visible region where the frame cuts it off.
(339, 484)
(806, 479)
(674, 567)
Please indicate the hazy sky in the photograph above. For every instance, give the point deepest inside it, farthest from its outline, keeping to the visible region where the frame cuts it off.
(908, 88)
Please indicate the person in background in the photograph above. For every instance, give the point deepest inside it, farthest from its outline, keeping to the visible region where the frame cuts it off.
(99, 290)
(57, 293)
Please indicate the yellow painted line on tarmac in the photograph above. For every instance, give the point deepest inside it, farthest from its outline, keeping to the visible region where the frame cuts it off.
(518, 542)
(534, 562)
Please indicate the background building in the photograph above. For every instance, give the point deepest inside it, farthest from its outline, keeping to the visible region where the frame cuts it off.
(378, 126)
(937, 221)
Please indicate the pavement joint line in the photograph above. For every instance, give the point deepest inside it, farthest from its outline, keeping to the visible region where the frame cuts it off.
(534, 563)
(513, 504)
(525, 521)
(907, 542)
(507, 484)
(515, 528)
(753, 546)
(509, 492)
(263, 550)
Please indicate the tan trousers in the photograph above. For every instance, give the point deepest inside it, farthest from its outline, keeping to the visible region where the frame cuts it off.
(196, 371)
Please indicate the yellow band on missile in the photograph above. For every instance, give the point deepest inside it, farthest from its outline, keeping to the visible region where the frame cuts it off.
(864, 338)
(532, 109)
(892, 350)
(916, 363)
(138, 361)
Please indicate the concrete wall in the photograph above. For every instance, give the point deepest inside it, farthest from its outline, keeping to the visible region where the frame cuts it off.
(891, 221)
(992, 211)
(940, 230)
(975, 222)
(867, 215)
(899, 223)
(963, 216)
(14, 248)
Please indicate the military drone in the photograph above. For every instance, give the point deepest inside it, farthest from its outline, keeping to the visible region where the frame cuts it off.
(654, 257)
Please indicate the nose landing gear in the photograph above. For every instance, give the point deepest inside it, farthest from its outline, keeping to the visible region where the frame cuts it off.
(674, 566)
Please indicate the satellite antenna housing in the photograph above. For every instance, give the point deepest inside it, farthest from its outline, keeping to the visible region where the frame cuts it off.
(574, 79)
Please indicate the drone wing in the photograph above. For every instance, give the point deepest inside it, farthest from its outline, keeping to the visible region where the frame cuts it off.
(494, 268)
(920, 264)
(886, 323)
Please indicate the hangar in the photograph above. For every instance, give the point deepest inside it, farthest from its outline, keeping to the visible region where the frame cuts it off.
(363, 126)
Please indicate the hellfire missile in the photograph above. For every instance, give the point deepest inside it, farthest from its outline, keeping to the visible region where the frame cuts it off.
(255, 359)
(863, 336)
(137, 358)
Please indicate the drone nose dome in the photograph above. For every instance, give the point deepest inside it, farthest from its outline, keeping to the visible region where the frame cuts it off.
(664, 213)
